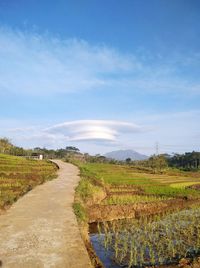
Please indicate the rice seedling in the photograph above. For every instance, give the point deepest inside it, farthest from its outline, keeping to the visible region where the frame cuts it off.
(183, 184)
(148, 241)
(120, 178)
(131, 199)
(159, 240)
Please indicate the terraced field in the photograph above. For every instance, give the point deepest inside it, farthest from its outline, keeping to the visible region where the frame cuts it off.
(125, 184)
(19, 175)
(145, 219)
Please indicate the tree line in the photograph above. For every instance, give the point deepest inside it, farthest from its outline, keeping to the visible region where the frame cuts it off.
(6, 147)
(189, 161)
(156, 163)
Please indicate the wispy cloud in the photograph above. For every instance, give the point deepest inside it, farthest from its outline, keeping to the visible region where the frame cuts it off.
(33, 64)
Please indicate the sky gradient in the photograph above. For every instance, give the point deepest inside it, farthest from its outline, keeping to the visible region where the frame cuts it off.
(101, 75)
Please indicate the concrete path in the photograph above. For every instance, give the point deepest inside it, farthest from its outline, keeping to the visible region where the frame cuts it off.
(40, 230)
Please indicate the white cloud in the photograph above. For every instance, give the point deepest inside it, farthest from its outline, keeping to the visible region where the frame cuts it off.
(84, 130)
(41, 65)
(174, 131)
(102, 133)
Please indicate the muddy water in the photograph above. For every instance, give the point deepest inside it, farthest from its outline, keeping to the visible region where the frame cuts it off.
(157, 240)
(96, 239)
(106, 256)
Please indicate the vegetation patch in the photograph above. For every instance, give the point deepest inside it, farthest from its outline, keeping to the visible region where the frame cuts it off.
(153, 240)
(79, 211)
(183, 184)
(19, 175)
(126, 178)
(131, 193)
(106, 184)
(89, 191)
(131, 199)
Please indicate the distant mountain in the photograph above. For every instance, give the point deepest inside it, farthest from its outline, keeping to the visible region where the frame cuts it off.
(124, 154)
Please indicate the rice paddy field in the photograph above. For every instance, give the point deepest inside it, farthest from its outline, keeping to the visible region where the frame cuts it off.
(125, 180)
(148, 240)
(19, 175)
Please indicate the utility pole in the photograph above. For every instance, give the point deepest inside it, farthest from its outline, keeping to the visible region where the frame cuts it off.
(157, 148)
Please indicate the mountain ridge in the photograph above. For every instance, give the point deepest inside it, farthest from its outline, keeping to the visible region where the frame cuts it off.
(122, 155)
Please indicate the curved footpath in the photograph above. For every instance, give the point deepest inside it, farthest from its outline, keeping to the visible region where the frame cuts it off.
(40, 230)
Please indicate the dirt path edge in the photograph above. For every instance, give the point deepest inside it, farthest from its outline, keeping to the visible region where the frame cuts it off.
(40, 230)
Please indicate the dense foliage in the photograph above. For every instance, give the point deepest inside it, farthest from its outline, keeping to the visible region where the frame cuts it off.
(8, 148)
(188, 161)
(159, 163)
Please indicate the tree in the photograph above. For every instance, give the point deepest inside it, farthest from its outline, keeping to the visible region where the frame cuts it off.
(187, 161)
(5, 145)
(72, 149)
(18, 151)
(158, 163)
(162, 162)
(128, 160)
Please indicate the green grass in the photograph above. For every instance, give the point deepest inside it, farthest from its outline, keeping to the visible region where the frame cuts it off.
(79, 211)
(89, 185)
(155, 184)
(183, 184)
(86, 189)
(89, 190)
(19, 175)
(115, 174)
(169, 191)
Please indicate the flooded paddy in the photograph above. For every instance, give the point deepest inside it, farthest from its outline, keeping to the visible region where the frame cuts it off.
(149, 240)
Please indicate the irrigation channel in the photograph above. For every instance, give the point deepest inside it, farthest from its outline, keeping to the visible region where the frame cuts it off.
(149, 240)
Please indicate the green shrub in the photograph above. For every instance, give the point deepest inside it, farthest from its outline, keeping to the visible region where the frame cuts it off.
(79, 211)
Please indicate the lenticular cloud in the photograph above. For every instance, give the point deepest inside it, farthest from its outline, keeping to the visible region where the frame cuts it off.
(104, 130)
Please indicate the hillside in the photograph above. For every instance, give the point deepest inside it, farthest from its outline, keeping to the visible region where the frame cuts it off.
(19, 175)
(122, 155)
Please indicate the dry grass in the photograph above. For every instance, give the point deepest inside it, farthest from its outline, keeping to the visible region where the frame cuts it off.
(19, 175)
(131, 199)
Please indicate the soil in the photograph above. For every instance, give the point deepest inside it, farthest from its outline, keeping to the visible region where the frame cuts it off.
(115, 212)
(194, 187)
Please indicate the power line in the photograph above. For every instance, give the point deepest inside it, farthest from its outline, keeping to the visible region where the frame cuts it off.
(159, 147)
(177, 145)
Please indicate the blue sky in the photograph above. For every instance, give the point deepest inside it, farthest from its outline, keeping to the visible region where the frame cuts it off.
(101, 75)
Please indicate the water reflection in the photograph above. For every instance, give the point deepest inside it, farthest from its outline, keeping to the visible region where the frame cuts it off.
(148, 241)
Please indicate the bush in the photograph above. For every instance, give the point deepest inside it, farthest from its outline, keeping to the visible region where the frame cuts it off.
(79, 211)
